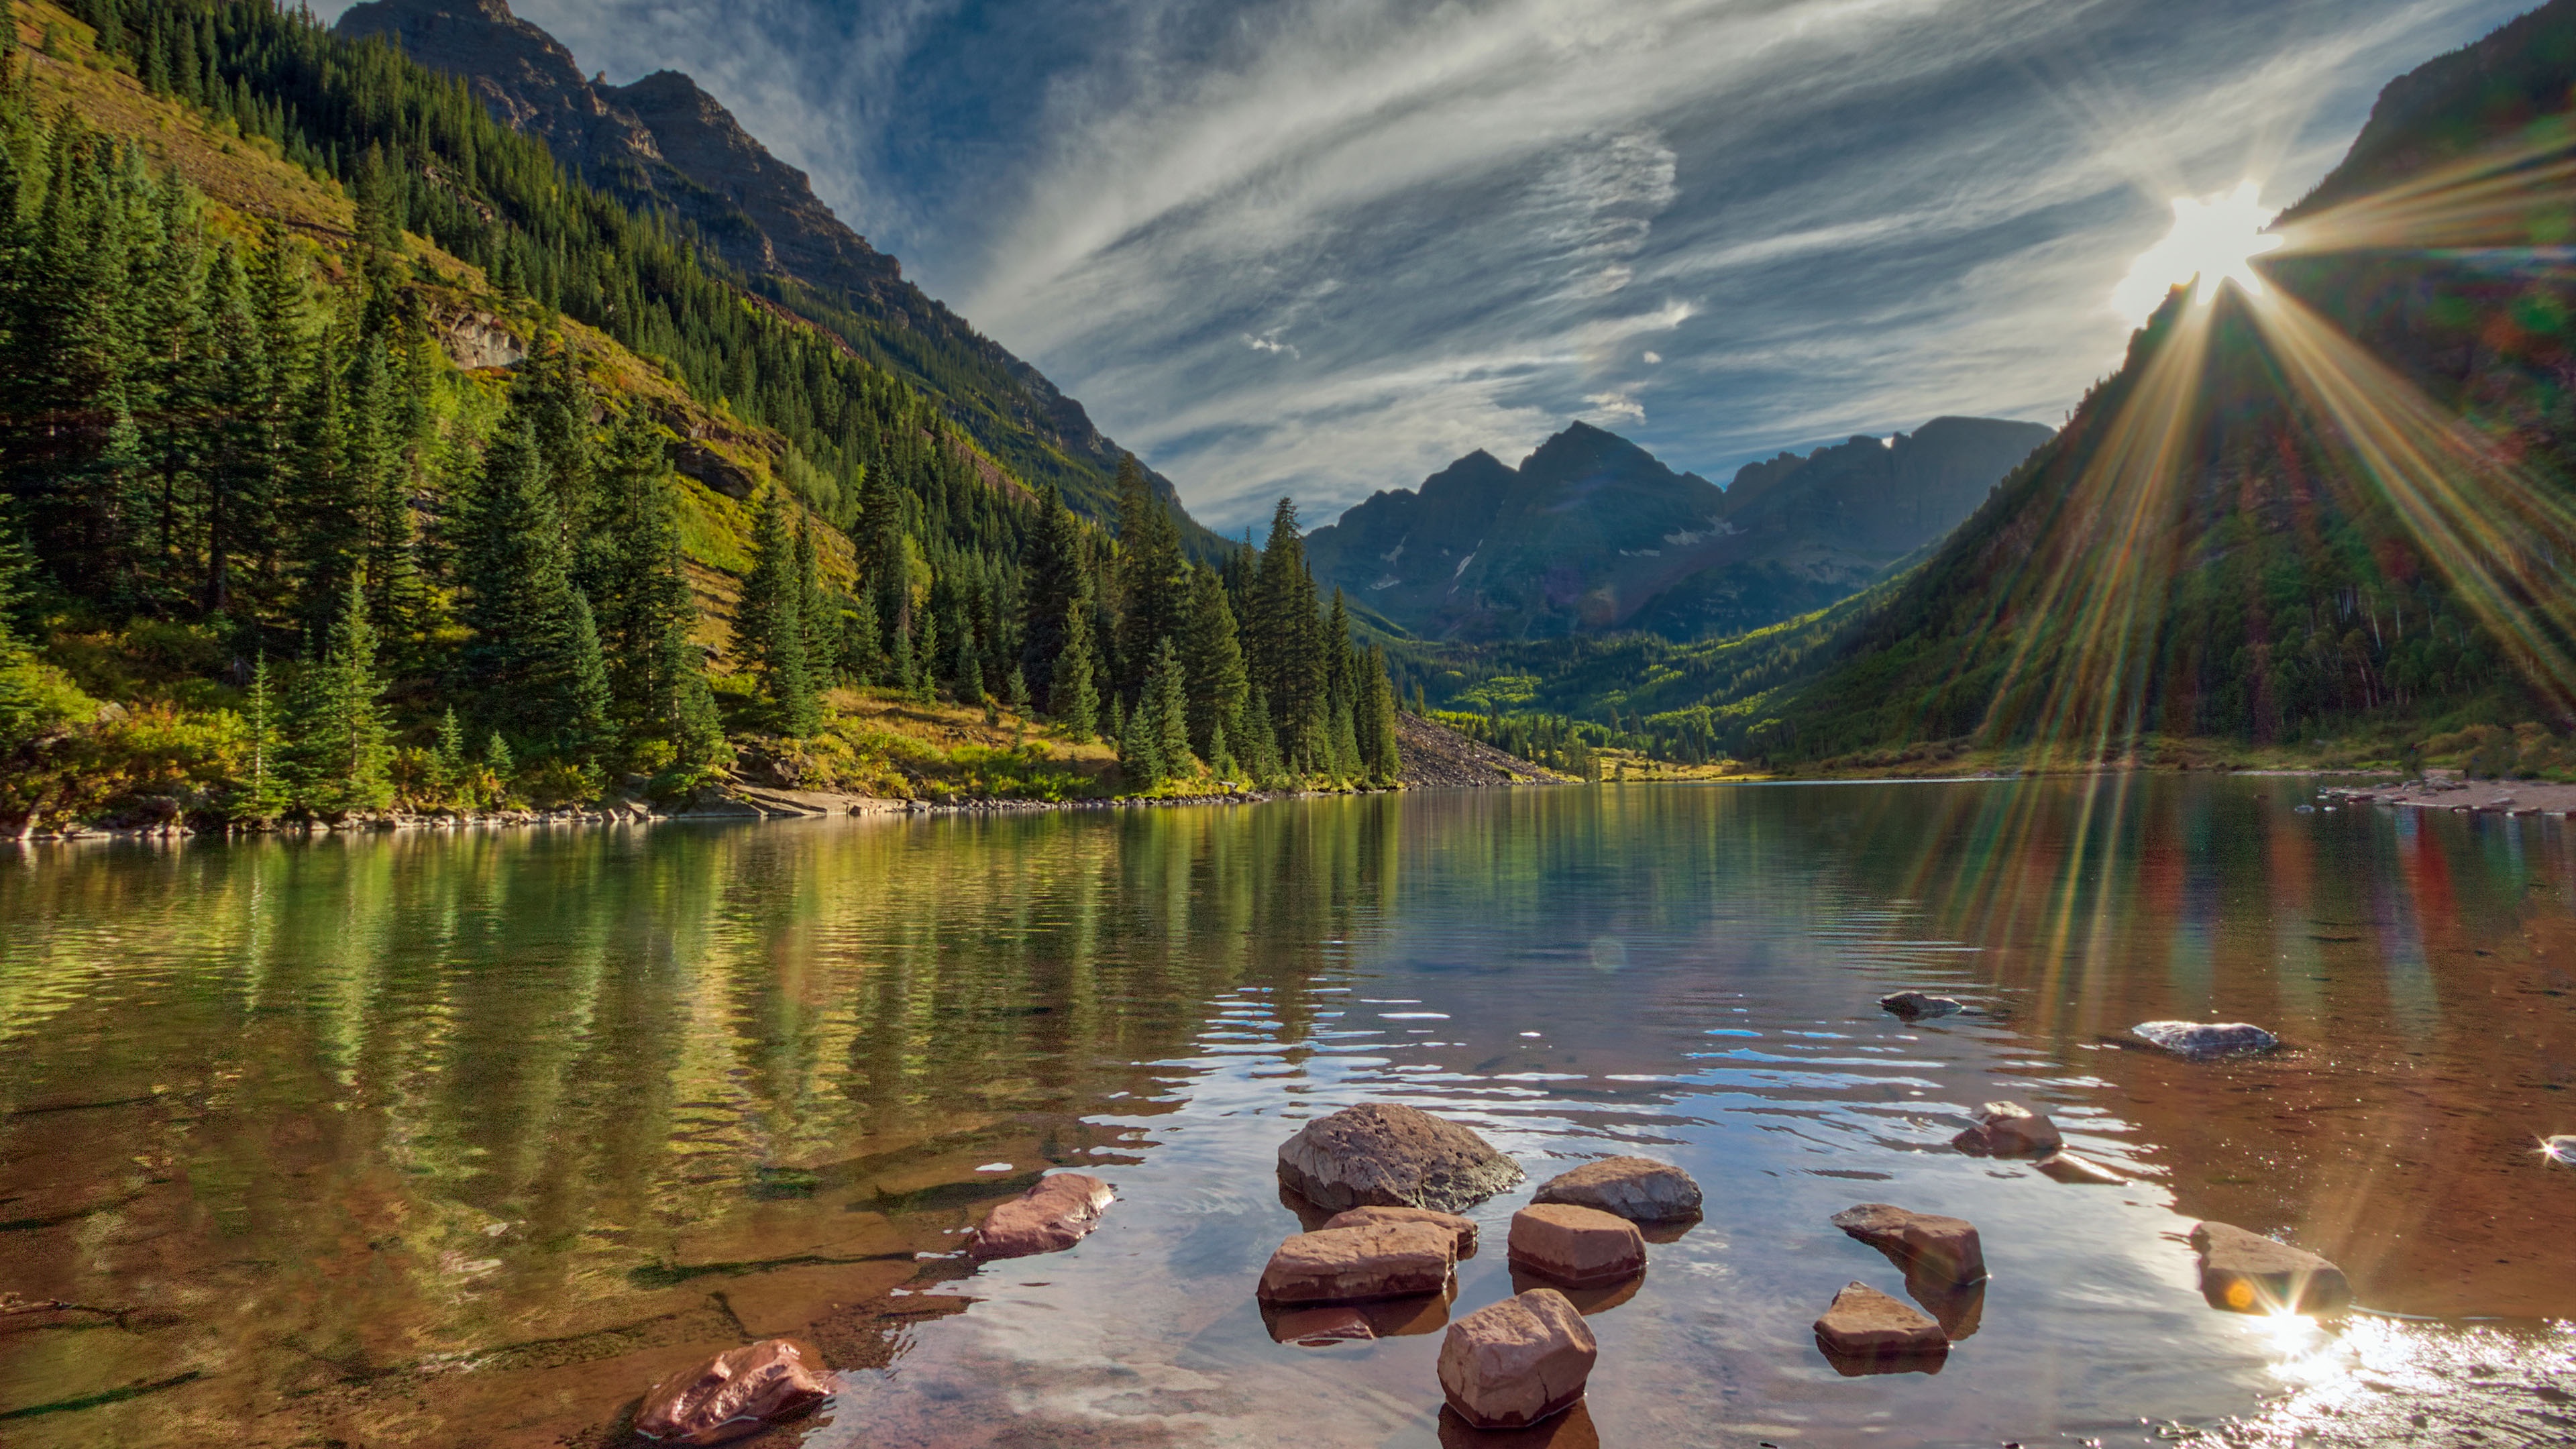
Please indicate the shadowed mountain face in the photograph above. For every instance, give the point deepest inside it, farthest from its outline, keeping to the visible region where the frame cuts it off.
(1591, 533)
(664, 144)
(2333, 510)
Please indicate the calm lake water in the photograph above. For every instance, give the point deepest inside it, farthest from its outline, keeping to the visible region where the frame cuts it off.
(463, 1141)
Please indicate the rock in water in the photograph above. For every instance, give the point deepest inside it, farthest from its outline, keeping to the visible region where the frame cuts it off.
(1054, 1215)
(1865, 1323)
(2201, 1040)
(738, 1392)
(1460, 1228)
(1580, 1247)
(2067, 1167)
(1379, 1154)
(1638, 1188)
(2248, 1273)
(1915, 1006)
(1946, 1249)
(1352, 1265)
(2009, 1129)
(1512, 1364)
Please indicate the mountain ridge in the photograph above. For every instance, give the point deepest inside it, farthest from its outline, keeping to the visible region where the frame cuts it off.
(1593, 533)
(663, 143)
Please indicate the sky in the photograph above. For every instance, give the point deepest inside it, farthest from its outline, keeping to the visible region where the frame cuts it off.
(1323, 247)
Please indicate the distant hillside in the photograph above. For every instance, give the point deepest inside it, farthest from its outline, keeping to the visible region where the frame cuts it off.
(2339, 510)
(663, 144)
(1591, 533)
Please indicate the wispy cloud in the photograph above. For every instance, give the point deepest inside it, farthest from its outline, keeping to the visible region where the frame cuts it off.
(1325, 246)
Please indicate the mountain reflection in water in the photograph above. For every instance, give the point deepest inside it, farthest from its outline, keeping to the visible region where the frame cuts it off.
(467, 1139)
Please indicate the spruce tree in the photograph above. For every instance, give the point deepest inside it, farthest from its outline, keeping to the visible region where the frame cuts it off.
(587, 733)
(521, 659)
(819, 641)
(1379, 753)
(1166, 710)
(1288, 655)
(925, 653)
(1076, 701)
(1051, 567)
(499, 765)
(447, 763)
(769, 627)
(339, 756)
(1140, 757)
(1212, 655)
(1153, 577)
(260, 794)
(860, 655)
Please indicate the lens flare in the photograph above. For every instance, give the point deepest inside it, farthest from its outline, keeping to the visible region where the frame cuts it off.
(2214, 239)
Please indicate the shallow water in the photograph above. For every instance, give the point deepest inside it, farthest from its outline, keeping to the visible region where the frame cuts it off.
(466, 1140)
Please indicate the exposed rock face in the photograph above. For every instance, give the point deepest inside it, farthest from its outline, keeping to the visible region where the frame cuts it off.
(2202, 1040)
(1946, 1249)
(1438, 757)
(1915, 1006)
(1865, 1323)
(1639, 1188)
(1353, 1265)
(1054, 1215)
(735, 1394)
(1578, 1246)
(1380, 1154)
(2009, 1129)
(1517, 1362)
(1462, 1232)
(2248, 1273)
(479, 339)
(714, 469)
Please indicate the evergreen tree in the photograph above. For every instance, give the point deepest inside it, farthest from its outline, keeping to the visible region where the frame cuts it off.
(587, 732)
(338, 756)
(1212, 655)
(522, 658)
(1260, 745)
(447, 763)
(1166, 710)
(769, 629)
(1288, 654)
(820, 644)
(1153, 577)
(1379, 754)
(499, 765)
(860, 655)
(1052, 567)
(1140, 756)
(260, 794)
(1076, 701)
(925, 650)
(638, 586)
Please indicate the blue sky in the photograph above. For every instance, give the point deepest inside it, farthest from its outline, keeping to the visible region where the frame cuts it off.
(1322, 247)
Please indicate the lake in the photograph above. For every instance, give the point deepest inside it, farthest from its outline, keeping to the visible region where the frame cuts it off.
(465, 1139)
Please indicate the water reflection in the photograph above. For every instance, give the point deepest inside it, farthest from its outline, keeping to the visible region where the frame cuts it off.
(468, 1138)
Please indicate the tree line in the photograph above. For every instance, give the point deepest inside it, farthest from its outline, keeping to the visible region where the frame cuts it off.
(405, 580)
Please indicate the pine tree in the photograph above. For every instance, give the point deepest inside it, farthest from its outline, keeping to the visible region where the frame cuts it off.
(522, 658)
(1140, 756)
(1288, 655)
(638, 585)
(1166, 709)
(260, 794)
(1051, 567)
(1212, 654)
(587, 731)
(820, 644)
(860, 656)
(1076, 701)
(769, 628)
(1153, 577)
(1260, 746)
(499, 765)
(447, 763)
(338, 755)
(925, 651)
(1379, 753)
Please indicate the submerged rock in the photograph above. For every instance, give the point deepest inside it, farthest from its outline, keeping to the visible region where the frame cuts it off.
(1351, 1265)
(1947, 1250)
(1864, 1323)
(2248, 1273)
(1915, 1006)
(2067, 1167)
(2009, 1129)
(2200, 1040)
(737, 1393)
(1638, 1188)
(1054, 1215)
(1578, 1246)
(1517, 1362)
(1380, 1154)
(1462, 1230)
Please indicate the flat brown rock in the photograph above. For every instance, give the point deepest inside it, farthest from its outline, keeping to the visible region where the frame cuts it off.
(738, 1392)
(2246, 1272)
(1865, 1323)
(1947, 1250)
(1578, 1246)
(1637, 1188)
(2067, 1167)
(1381, 1154)
(1516, 1362)
(1054, 1215)
(2009, 1129)
(1352, 1265)
(1459, 1228)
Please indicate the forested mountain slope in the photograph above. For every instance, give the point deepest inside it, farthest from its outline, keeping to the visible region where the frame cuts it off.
(337, 439)
(2338, 508)
(664, 145)
(1591, 534)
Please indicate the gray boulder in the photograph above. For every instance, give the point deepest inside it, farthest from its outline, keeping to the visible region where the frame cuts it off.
(1638, 1188)
(2202, 1040)
(1380, 1154)
(1948, 1250)
(2009, 1129)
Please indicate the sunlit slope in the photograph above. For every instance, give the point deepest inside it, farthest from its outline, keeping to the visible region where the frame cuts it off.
(2336, 505)
(248, 183)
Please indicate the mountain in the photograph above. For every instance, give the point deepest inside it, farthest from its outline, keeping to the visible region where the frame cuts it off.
(1592, 533)
(2337, 510)
(664, 145)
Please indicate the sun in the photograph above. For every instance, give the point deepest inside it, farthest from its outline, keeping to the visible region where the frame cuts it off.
(2214, 239)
